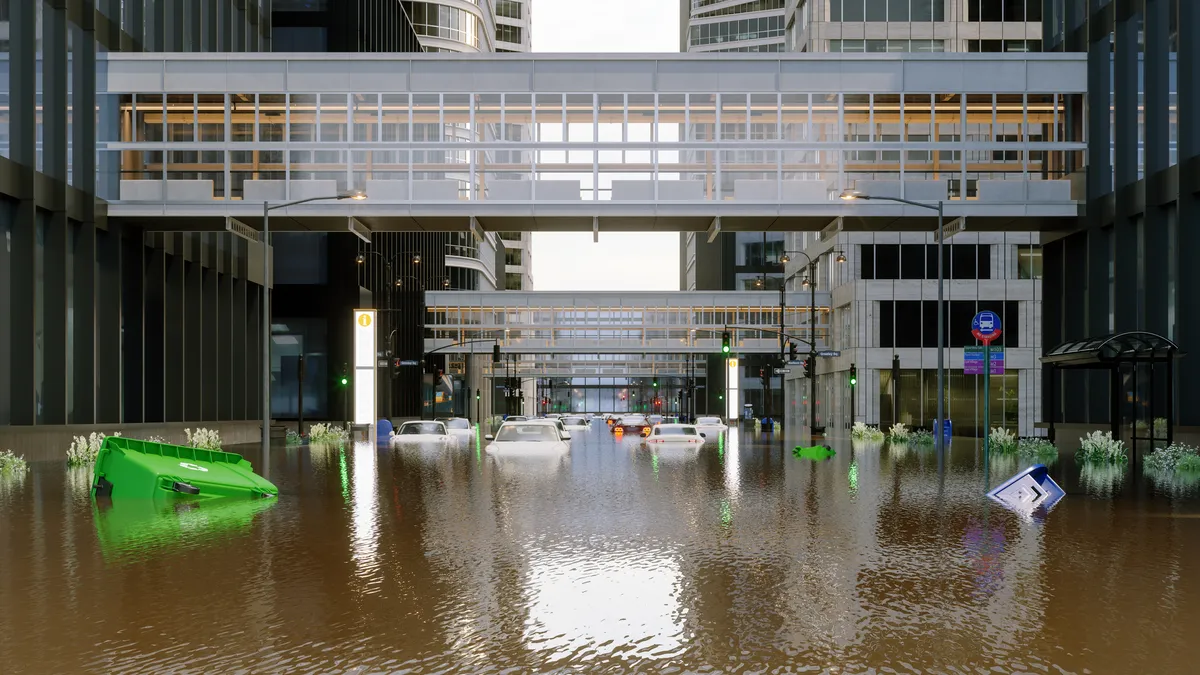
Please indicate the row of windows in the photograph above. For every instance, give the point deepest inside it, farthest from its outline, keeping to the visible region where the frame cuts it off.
(450, 23)
(905, 324)
(744, 8)
(773, 47)
(1004, 10)
(734, 31)
(509, 8)
(888, 10)
(861, 46)
(507, 33)
(1004, 46)
(919, 261)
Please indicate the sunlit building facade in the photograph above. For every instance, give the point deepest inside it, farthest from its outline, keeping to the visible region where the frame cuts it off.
(732, 25)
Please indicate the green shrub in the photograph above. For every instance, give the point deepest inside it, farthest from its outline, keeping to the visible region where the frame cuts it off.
(1036, 448)
(920, 437)
(1175, 457)
(899, 433)
(84, 449)
(327, 433)
(862, 431)
(11, 464)
(208, 439)
(1101, 447)
(1002, 441)
(293, 438)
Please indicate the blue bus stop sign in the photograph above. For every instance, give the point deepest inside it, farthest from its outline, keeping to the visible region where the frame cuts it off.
(986, 326)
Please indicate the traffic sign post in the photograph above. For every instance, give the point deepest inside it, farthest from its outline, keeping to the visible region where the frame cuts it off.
(986, 327)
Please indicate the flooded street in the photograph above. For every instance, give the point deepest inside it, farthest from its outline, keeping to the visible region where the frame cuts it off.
(737, 557)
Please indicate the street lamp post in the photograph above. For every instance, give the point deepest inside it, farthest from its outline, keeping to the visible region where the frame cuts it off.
(811, 282)
(357, 195)
(938, 434)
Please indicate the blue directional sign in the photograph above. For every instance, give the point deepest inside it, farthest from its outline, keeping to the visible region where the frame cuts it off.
(1031, 493)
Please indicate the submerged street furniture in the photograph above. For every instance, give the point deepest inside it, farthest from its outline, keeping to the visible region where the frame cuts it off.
(131, 468)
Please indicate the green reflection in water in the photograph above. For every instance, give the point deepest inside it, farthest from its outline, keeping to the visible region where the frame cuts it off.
(726, 514)
(345, 475)
(654, 464)
(134, 526)
(853, 477)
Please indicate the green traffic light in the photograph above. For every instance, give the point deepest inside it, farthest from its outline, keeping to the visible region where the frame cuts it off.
(344, 381)
(725, 348)
(853, 381)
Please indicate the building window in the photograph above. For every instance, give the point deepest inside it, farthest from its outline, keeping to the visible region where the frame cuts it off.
(508, 8)
(1004, 45)
(512, 256)
(512, 282)
(1004, 10)
(1029, 262)
(507, 33)
(735, 31)
(890, 10)
(874, 46)
(911, 324)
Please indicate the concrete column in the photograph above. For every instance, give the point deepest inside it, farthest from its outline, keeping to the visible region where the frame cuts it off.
(224, 364)
(1188, 333)
(240, 348)
(254, 352)
(209, 329)
(155, 332)
(121, 366)
(193, 338)
(174, 305)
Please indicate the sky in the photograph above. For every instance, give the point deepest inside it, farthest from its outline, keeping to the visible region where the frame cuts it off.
(570, 261)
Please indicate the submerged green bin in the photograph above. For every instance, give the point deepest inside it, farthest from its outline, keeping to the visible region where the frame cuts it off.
(131, 468)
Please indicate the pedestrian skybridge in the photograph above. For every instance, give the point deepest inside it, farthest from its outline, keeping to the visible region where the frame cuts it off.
(574, 332)
(687, 142)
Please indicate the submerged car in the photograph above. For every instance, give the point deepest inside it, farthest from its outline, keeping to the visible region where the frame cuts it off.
(573, 423)
(711, 426)
(527, 438)
(675, 435)
(633, 424)
(428, 434)
(460, 429)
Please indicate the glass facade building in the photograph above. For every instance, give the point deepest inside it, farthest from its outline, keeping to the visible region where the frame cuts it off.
(106, 323)
(724, 26)
(1126, 265)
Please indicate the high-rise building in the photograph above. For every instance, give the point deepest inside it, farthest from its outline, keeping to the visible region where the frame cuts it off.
(914, 25)
(107, 323)
(1127, 267)
(732, 26)
(340, 26)
(513, 25)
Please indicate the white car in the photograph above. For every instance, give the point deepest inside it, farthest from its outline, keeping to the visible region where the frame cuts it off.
(674, 436)
(527, 439)
(710, 426)
(552, 416)
(460, 430)
(426, 434)
(516, 418)
(574, 423)
(558, 425)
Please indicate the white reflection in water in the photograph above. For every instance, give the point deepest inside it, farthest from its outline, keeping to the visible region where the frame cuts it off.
(364, 510)
(614, 603)
(733, 484)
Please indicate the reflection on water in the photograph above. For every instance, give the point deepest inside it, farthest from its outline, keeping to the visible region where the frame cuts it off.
(613, 558)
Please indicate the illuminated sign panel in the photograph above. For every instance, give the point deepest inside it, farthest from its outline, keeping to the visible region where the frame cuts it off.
(731, 391)
(364, 366)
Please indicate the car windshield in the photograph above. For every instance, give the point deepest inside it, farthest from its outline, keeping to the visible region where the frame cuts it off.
(573, 421)
(518, 433)
(674, 431)
(459, 423)
(633, 419)
(515, 418)
(418, 428)
(709, 420)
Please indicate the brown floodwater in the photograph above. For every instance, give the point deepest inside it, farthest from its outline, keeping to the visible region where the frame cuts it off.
(736, 558)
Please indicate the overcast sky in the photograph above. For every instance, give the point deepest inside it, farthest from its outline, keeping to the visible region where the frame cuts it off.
(564, 261)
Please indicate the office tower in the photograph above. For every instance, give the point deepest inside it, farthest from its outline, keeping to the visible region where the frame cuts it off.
(722, 26)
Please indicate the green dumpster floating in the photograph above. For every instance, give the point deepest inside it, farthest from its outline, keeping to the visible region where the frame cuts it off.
(132, 528)
(814, 452)
(130, 468)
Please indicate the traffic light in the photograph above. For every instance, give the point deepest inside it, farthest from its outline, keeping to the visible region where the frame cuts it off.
(808, 368)
(345, 378)
(496, 353)
(793, 351)
(656, 383)
(725, 342)
(476, 394)
(853, 375)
